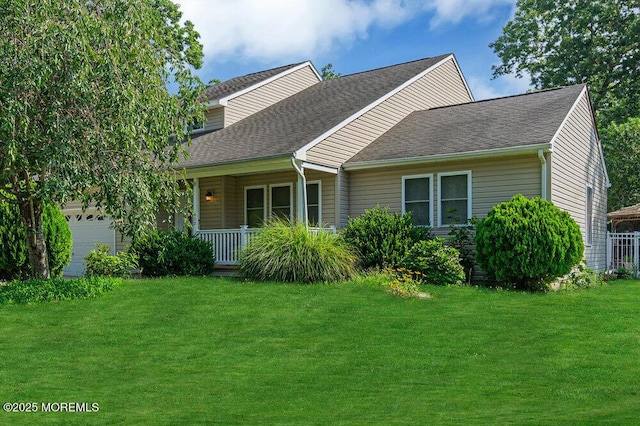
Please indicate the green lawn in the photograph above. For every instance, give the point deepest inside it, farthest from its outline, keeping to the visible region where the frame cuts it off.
(193, 351)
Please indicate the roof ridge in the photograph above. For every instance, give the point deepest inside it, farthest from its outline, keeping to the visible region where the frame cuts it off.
(395, 65)
(517, 95)
(261, 71)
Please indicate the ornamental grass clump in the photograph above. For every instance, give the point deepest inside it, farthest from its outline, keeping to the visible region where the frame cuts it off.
(525, 244)
(289, 252)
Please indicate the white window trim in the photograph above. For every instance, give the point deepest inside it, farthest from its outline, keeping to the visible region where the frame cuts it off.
(588, 230)
(422, 176)
(469, 195)
(281, 185)
(319, 182)
(264, 201)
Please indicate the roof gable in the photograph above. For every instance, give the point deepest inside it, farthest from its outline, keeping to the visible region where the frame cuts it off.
(237, 85)
(505, 123)
(290, 124)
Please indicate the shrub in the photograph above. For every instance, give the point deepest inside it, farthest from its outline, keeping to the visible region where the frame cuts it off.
(434, 263)
(579, 278)
(381, 238)
(401, 282)
(288, 252)
(527, 243)
(14, 257)
(162, 253)
(101, 262)
(54, 289)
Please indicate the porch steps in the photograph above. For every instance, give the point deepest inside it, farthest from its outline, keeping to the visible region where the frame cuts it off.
(226, 271)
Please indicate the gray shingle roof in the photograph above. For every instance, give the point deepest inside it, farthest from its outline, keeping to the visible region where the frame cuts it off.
(236, 84)
(297, 120)
(508, 122)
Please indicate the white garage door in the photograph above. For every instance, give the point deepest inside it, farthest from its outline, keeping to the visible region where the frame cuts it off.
(87, 229)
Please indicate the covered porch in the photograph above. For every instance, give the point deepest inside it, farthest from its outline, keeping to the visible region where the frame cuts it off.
(231, 203)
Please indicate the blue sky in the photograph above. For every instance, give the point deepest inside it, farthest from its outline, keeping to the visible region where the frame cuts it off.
(244, 36)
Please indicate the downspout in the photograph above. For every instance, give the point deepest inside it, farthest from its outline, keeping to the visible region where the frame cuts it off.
(543, 167)
(302, 192)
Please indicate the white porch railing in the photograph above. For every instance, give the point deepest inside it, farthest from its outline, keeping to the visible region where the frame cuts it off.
(623, 251)
(226, 243)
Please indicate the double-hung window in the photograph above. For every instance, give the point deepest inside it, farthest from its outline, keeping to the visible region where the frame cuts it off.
(454, 194)
(281, 200)
(417, 198)
(314, 203)
(255, 203)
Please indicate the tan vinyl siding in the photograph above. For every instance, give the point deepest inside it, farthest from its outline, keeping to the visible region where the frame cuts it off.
(211, 211)
(441, 86)
(576, 163)
(214, 119)
(269, 94)
(493, 181)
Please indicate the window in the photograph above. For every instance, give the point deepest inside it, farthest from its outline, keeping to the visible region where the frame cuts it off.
(254, 203)
(589, 217)
(281, 202)
(454, 191)
(314, 203)
(417, 198)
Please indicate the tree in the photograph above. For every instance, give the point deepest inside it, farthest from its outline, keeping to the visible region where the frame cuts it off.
(327, 72)
(85, 110)
(622, 149)
(563, 42)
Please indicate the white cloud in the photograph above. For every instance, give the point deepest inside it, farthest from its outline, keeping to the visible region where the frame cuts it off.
(278, 30)
(505, 85)
(453, 11)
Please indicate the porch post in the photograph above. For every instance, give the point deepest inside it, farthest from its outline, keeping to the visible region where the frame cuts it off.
(196, 205)
(609, 248)
(637, 252)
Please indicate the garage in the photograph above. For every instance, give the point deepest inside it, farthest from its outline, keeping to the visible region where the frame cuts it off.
(87, 229)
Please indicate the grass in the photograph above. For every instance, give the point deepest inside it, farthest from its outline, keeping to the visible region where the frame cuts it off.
(194, 351)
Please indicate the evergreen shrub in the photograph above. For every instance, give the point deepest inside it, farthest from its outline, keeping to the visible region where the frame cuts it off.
(525, 243)
(381, 238)
(432, 262)
(161, 253)
(289, 252)
(14, 256)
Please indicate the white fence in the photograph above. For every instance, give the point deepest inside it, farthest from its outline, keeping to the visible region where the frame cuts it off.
(227, 243)
(623, 251)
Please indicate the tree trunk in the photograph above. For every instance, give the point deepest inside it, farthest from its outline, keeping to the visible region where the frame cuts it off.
(31, 212)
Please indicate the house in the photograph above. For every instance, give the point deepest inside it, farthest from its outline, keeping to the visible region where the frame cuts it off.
(407, 136)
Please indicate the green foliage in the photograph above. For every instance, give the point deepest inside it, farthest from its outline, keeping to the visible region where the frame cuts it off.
(382, 238)
(461, 238)
(328, 73)
(14, 256)
(162, 253)
(87, 106)
(55, 289)
(436, 263)
(563, 42)
(526, 243)
(621, 146)
(289, 252)
(101, 262)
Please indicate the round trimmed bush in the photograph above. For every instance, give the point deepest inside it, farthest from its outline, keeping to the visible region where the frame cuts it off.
(382, 238)
(436, 263)
(284, 251)
(14, 256)
(525, 243)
